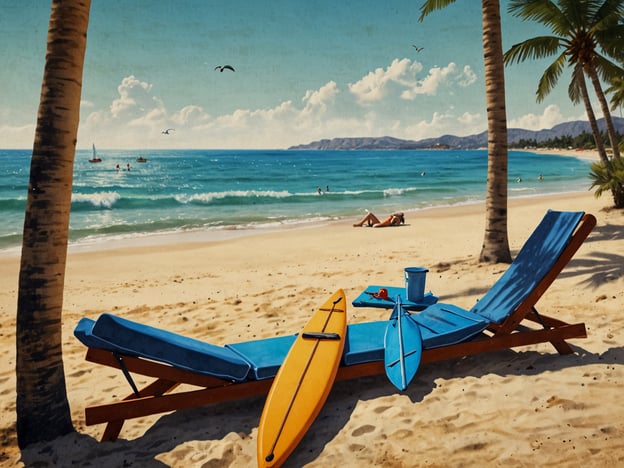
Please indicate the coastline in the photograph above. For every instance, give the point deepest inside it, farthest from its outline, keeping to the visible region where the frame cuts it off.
(104, 233)
(199, 236)
(590, 155)
(526, 407)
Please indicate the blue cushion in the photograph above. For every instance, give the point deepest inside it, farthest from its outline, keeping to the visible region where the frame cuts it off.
(446, 324)
(364, 342)
(265, 356)
(440, 325)
(540, 252)
(83, 332)
(131, 338)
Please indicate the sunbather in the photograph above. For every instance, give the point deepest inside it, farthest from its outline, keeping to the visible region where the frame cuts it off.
(373, 221)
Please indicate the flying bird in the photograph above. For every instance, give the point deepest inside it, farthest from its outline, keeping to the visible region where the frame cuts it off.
(224, 67)
(418, 49)
(166, 131)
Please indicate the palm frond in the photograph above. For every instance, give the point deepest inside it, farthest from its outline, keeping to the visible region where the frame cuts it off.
(550, 78)
(607, 69)
(608, 13)
(542, 11)
(579, 13)
(574, 88)
(616, 90)
(611, 40)
(607, 177)
(534, 48)
(433, 5)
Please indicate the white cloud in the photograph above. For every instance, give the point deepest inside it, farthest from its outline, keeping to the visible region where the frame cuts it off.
(467, 77)
(401, 77)
(317, 101)
(549, 118)
(439, 76)
(17, 136)
(134, 98)
(446, 123)
(471, 120)
(193, 115)
(376, 85)
(137, 116)
(322, 113)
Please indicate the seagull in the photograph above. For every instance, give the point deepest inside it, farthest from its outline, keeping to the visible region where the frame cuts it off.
(224, 67)
(418, 49)
(166, 131)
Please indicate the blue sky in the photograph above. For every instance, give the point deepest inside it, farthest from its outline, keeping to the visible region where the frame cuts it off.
(305, 70)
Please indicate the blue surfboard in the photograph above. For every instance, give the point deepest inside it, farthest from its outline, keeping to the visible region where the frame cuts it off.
(402, 347)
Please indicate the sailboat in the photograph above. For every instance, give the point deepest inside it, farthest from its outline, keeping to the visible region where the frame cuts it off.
(95, 158)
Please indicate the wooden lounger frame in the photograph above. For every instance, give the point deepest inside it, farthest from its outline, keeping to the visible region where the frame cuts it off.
(157, 398)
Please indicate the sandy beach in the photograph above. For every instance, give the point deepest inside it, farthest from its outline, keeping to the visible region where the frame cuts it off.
(522, 407)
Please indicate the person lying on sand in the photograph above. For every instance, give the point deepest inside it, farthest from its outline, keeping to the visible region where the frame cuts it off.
(373, 221)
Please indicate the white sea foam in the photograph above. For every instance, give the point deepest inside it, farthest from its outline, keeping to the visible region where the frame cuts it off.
(99, 199)
(211, 196)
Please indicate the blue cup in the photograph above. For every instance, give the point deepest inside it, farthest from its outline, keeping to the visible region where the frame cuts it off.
(415, 283)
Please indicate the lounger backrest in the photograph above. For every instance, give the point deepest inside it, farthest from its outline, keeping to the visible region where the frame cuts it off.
(135, 339)
(535, 259)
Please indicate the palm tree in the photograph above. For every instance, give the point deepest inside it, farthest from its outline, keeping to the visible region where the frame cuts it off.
(616, 90)
(581, 29)
(495, 243)
(42, 407)
(577, 91)
(609, 176)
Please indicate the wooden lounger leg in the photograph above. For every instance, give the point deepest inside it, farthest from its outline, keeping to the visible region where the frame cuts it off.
(112, 430)
(562, 347)
(158, 387)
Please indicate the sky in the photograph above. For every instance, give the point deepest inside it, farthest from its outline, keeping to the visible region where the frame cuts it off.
(304, 70)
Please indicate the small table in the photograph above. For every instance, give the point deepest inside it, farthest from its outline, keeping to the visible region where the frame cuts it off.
(366, 299)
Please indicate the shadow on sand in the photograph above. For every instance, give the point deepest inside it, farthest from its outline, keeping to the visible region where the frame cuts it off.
(215, 422)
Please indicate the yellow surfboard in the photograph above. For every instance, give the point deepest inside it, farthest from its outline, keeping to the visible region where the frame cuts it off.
(303, 382)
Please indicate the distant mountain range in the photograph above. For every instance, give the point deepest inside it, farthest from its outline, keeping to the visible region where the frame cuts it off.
(514, 135)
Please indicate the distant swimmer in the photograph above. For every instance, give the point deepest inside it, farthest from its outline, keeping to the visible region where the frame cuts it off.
(224, 67)
(540, 177)
(519, 179)
(167, 131)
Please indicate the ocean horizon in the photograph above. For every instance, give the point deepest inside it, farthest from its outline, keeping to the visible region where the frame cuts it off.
(226, 193)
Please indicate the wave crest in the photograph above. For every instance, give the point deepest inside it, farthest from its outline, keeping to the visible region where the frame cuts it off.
(97, 199)
(207, 198)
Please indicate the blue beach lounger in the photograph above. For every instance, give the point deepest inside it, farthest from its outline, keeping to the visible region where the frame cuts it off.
(241, 370)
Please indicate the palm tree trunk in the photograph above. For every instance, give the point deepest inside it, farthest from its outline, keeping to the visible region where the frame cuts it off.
(495, 244)
(591, 117)
(605, 111)
(42, 407)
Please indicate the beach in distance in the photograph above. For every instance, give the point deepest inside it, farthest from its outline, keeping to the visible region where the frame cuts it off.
(524, 407)
(217, 194)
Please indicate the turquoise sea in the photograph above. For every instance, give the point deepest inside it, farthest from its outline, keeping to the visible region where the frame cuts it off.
(212, 190)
